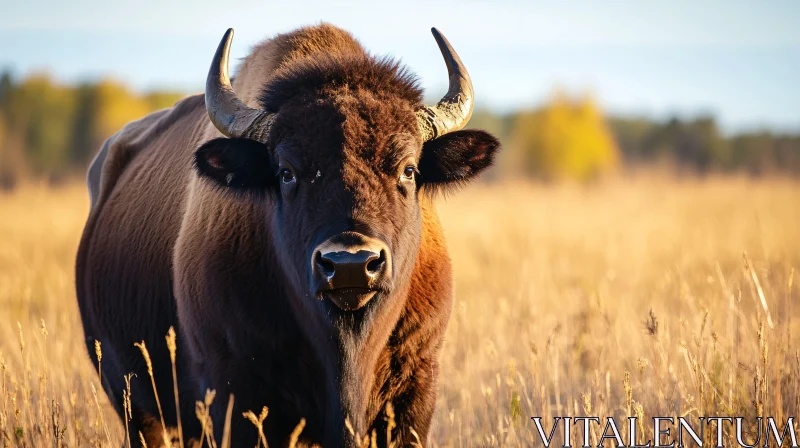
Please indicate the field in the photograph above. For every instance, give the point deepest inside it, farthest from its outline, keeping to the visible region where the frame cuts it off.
(629, 297)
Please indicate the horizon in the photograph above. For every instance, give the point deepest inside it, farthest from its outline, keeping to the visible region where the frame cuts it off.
(735, 61)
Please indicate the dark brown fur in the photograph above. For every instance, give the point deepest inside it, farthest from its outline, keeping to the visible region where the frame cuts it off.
(168, 242)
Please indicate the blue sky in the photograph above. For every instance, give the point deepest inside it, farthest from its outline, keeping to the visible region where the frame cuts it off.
(737, 60)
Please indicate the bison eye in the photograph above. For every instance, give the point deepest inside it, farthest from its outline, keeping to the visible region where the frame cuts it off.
(286, 176)
(408, 173)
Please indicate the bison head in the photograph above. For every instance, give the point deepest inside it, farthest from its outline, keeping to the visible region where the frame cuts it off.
(345, 149)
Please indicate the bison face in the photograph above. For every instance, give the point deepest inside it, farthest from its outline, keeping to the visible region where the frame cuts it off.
(343, 148)
(345, 179)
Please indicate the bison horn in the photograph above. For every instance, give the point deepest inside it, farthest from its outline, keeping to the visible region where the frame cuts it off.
(455, 108)
(228, 113)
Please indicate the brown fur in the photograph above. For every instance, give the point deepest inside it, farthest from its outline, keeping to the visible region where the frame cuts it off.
(164, 245)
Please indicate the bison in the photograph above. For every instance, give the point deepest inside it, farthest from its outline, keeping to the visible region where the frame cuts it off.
(284, 225)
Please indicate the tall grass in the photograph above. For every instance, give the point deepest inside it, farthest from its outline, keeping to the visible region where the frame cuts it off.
(627, 298)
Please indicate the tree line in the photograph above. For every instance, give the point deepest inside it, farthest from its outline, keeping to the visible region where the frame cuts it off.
(570, 138)
(50, 130)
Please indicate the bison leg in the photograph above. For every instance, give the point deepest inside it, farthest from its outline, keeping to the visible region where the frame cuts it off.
(413, 409)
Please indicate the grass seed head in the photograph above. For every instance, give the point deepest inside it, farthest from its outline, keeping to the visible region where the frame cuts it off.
(171, 345)
(295, 437)
(98, 352)
(146, 355)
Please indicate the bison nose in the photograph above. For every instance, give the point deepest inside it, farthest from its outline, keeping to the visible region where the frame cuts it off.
(351, 274)
(361, 269)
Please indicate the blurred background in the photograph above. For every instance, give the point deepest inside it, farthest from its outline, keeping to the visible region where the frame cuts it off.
(576, 91)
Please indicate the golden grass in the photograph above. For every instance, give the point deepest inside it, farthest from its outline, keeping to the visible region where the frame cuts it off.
(624, 298)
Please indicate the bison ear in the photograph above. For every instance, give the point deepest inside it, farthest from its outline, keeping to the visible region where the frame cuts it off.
(455, 158)
(235, 163)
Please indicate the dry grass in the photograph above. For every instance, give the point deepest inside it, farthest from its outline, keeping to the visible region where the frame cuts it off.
(626, 298)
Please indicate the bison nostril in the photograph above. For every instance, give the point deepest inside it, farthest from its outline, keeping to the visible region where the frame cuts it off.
(374, 266)
(325, 266)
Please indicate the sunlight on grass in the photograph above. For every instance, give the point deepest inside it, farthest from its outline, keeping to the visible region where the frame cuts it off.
(622, 298)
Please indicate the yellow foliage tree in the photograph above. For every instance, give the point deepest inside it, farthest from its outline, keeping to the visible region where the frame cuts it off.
(162, 100)
(116, 106)
(105, 108)
(565, 139)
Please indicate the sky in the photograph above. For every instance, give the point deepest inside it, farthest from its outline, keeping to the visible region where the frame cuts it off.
(739, 61)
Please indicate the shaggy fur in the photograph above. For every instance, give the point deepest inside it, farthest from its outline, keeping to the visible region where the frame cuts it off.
(210, 235)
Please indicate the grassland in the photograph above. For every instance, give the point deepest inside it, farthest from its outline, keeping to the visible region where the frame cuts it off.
(630, 297)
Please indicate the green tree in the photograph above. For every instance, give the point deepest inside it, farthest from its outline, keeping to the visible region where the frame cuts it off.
(40, 112)
(6, 85)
